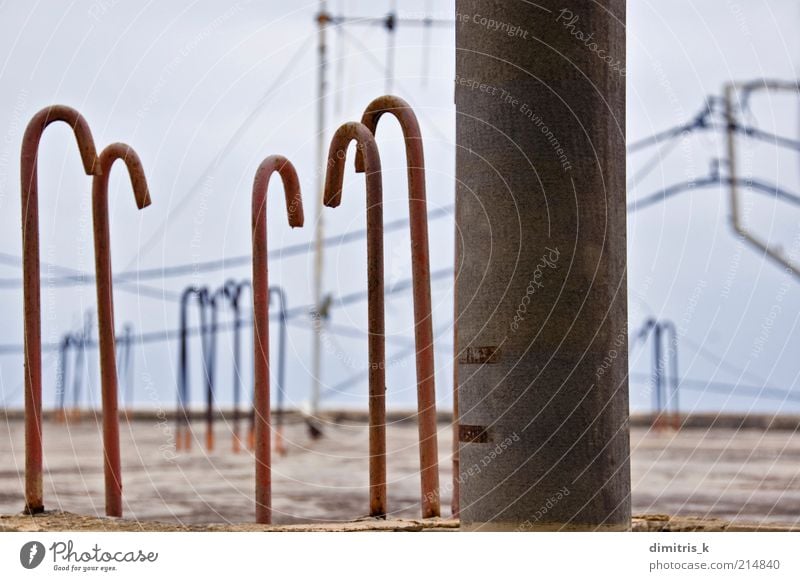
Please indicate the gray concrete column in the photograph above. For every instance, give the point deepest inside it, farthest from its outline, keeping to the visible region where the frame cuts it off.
(541, 288)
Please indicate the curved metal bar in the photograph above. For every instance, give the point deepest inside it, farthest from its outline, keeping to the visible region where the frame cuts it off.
(63, 352)
(68, 341)
(651, 324)
(34, 498)
(234, 292)
(421, 281)
(182, 425)
(365, 142)
(658, 405)
(294, 209)
(669, 329)
(85, 364)
(105, 309)
(81, 367)
(211, 302)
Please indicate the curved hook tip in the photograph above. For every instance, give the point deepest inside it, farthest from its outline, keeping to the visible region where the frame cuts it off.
(359, 161)
(366, 155)
(291, 187)
(332, 200)
(143, 200)
(124, 152)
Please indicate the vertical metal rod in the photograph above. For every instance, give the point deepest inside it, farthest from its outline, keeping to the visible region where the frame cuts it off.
(673, 400)
(730, 120)
(651, 325)
(426, 44)
(280, 445)
(421, 282)
(34, 498)
(210, 361)
(61, 378)
(657, 376)
(86, 354)
(294, 210)
(377, 340)
(237, 378)
(182, 424)
(79, 373)
(130, 370)
(105, 310)
(233, 292)
(676, 381)
(391, 31)
(323, 18)
(340, 83)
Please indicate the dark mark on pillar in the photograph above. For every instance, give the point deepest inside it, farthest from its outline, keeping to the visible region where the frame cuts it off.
(480, 355)
(473, 434)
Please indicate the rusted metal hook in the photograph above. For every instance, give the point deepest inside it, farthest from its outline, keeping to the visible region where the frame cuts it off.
(67, 341)
(665, 405)
(207, 307)
(105, 309)
(34, 501)
(183, 439)
(334, 178)
(212, 303)
(183, 435)
(421, 282)
(234, 292)
(294, 209)
(673, 400)
(84, 339)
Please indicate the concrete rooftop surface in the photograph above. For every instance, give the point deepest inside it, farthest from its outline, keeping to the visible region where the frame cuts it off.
(747, 476)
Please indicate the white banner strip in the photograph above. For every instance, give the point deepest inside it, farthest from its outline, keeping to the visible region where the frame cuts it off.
(381, 556)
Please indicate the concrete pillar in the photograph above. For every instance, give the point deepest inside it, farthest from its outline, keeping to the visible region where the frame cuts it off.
(541, 288)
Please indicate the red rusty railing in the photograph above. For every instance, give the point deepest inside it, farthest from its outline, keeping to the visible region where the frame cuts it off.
(375, 303)
(105, 309)
(261, 404)
(421, 281)
(34, 501)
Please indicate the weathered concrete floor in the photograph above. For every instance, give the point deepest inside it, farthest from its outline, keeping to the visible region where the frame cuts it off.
(60, 521)
(748, 476)
(65, 521)
(740, 476)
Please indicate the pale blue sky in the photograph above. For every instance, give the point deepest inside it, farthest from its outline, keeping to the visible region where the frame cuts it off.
(176, 80)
